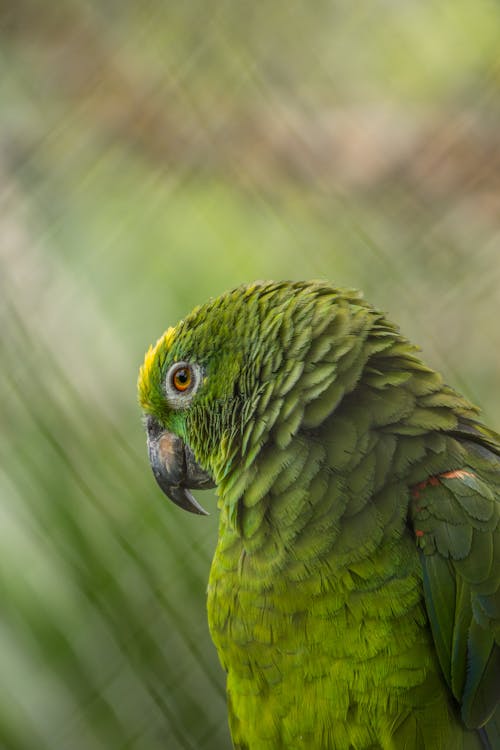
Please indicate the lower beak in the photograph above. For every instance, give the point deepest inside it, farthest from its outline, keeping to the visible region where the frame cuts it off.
(175, 468)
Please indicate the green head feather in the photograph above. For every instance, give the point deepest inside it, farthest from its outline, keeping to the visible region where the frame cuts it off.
(251, 346)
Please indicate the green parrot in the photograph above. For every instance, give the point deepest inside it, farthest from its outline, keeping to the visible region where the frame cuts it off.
(354, 594)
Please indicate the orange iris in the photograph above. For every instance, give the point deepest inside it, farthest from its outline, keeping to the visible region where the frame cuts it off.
(182, 378)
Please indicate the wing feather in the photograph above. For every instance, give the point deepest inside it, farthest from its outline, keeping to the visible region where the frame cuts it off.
(456, 518)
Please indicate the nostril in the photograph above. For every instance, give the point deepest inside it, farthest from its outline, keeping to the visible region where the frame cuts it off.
(153, 427)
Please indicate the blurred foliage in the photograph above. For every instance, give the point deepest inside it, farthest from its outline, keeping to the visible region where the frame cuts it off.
(152, 155)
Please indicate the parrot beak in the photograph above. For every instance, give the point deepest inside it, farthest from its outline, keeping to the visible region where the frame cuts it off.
(175, 468)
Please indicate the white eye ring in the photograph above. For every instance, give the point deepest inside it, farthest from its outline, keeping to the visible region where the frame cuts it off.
(181, 383)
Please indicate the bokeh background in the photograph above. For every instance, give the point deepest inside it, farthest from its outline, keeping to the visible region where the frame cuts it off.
(154, 154)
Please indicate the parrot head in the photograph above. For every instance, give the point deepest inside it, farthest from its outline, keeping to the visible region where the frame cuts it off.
(193, 386)
(213, 387)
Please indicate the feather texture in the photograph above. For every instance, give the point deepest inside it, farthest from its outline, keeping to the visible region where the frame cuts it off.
(354, 595)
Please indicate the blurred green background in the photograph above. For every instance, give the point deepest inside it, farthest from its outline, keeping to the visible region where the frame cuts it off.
(153, 154)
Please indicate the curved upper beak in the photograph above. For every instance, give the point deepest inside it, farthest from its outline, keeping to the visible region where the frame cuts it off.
(175, 468)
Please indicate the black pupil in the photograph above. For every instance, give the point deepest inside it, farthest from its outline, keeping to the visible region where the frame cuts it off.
(182, 376)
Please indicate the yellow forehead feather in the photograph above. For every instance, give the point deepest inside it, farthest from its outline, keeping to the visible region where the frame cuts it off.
(146, 373)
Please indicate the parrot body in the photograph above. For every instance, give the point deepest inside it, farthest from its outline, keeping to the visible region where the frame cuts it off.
(354, 595)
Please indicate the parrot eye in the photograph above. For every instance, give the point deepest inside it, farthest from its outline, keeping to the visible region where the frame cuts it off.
(181, 382)
(181, 378)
